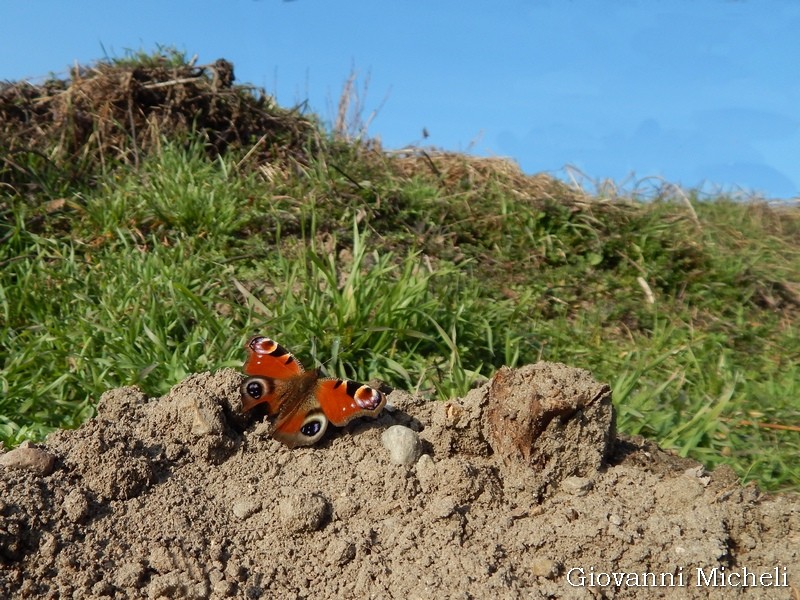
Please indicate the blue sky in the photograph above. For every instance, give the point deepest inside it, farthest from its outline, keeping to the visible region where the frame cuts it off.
(697, 92)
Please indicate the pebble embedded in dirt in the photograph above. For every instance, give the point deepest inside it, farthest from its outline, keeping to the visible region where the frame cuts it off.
(545, 567)
(245, 507)
(76, 506)
(577, 486)
(402, 443)
(31, 459)
(303, 512)
(522, 480)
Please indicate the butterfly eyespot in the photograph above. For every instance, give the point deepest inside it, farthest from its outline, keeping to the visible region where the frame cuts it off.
(310, 432)
(368, 398)
(311, 428)
(254, 389)
(264, 346)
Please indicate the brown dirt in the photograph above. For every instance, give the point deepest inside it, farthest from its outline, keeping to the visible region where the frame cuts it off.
(519, 483)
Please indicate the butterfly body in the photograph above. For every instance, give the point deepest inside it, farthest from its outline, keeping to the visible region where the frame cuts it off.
(302, 401)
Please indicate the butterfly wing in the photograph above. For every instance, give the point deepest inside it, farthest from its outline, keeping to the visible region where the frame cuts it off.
(343, 400)
(267, 364)
(302, 424)
(268, 358)
(303, 403)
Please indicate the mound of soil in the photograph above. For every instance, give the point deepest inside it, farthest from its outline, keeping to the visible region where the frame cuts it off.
(522, 490)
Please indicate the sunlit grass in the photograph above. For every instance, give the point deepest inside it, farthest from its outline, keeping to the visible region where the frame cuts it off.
(165, 269)
(363, 313)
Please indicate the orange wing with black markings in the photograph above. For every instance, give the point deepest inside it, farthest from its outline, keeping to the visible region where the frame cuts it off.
(343, 400)
(268, 363)
(304, 403)
(267, 358)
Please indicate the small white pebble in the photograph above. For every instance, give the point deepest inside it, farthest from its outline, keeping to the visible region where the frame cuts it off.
(403, 444)
(244, 508)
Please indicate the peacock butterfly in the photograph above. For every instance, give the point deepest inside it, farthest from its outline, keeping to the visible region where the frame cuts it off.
(303, 401)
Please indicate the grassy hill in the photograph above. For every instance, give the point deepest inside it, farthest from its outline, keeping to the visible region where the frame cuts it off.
(153, 215)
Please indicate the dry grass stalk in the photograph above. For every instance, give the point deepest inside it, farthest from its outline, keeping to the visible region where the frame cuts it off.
(117, 112)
